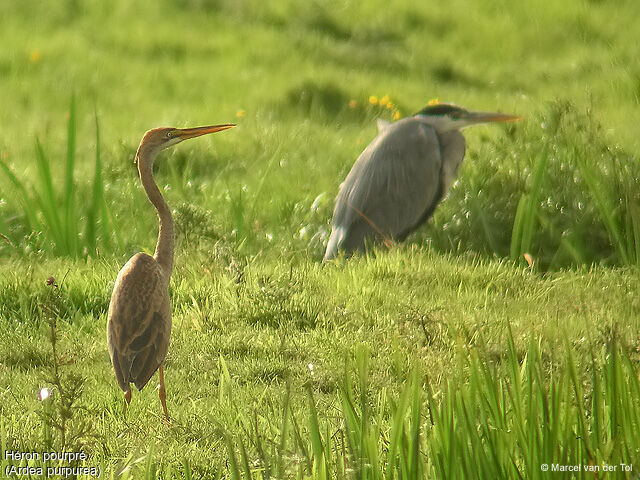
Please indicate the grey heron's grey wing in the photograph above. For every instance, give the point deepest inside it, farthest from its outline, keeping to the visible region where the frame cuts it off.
(139, 323)
(393, 182)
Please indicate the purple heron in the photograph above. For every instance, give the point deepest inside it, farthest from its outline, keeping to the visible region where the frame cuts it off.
(139, 319)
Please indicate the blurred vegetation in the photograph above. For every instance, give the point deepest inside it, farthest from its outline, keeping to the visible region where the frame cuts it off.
(278, 364)
(560, 186)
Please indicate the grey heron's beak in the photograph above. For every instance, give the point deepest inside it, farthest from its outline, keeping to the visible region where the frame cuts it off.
(186, 133)
(473, 118)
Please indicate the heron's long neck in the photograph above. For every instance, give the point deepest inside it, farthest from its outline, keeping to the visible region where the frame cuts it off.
(165, 246)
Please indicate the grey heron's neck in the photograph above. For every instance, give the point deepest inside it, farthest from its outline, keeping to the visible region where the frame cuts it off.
(452, 148)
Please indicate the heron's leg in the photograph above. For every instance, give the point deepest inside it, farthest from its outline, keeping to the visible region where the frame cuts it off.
(127, 401)
(162, 393)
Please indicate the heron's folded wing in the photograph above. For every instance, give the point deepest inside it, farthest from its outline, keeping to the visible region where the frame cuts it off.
(151, 348)
(139, 321)
(394, 181)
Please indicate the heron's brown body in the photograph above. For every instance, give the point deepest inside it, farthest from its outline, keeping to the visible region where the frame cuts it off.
(139, 328)
(139, 319)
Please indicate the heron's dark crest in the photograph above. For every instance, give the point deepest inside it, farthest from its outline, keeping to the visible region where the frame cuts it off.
(441, 109)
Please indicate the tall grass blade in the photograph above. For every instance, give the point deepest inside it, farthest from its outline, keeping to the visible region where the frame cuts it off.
(479, 212)
(283, 432)
(532, 209)
(524, 224)
(3, 445)
(414, 436)
(604, 203)
(70, 220)
(612, 380)
(238, 208)
(150, 469)
(353, 426)
(632, 425)
(225, 385)
(518, 228)
(4, 231)
(98, 204)
(47, 201)
(633, 222)
(187, 469)
(233, 462)
(316, 438)
(300, 443)
(576, 381)
(30, 216)
(99, 193)
(397, 428)
(245, 461)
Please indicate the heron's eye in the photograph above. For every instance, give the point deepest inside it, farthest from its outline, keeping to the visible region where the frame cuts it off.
(169, 134)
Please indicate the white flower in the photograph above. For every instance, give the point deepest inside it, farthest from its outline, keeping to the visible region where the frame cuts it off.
(44, 393)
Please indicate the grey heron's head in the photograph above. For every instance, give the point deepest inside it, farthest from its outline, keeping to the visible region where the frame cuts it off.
(445, 117)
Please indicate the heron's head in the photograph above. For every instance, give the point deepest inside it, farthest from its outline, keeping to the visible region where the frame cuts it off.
(445, 117)
(164, 137)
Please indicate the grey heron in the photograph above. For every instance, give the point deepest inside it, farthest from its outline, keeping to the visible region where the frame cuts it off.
(397, 182)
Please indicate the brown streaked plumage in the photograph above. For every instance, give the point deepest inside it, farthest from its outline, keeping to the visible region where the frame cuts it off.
(139, 319)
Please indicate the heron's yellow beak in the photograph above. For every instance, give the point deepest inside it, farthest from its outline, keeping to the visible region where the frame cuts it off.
(186, 133)
(485, 117)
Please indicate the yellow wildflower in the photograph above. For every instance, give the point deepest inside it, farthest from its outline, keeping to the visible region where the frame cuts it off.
(240, 113)
(396, 115)
(353, 104)
(389, 105)
(384, 100)
(34, 56)
(434, 101)
(373, 100)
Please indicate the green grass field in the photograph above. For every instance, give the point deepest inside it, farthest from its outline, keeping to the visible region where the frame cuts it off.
(446, 357)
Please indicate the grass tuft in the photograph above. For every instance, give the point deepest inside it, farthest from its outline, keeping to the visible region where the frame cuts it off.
(55, 217)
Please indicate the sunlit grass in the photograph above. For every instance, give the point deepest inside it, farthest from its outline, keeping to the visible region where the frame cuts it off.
(302, 365)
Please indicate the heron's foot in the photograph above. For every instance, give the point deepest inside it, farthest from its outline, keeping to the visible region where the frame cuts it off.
(162, 393)
(163, 400)
(127, 401)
